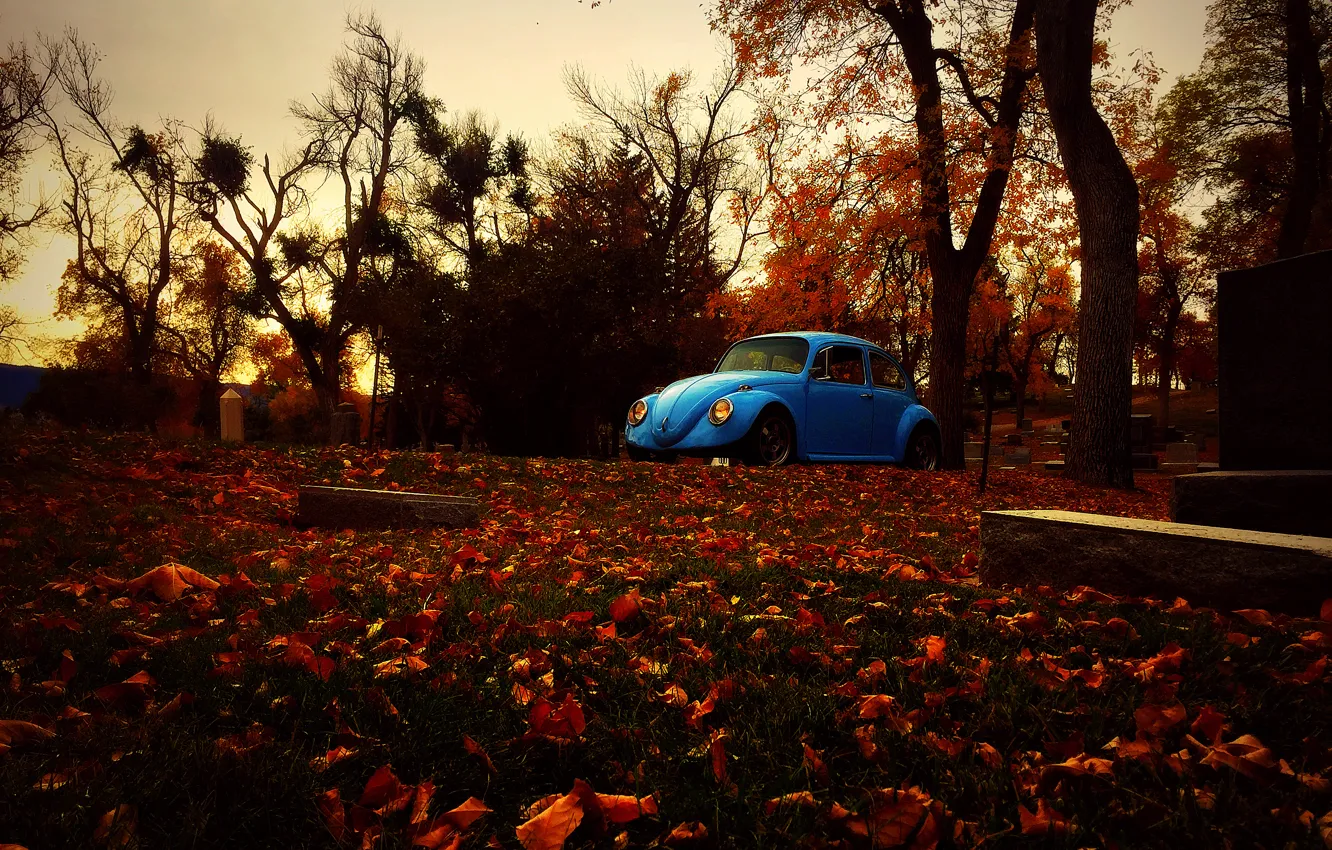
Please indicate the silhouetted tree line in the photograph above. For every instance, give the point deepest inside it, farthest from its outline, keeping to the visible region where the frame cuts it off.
(547, 291)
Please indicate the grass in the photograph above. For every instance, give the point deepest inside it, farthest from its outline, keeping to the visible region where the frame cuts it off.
(792, 594)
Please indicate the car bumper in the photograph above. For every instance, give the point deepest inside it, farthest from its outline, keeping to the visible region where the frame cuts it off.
(704, 439)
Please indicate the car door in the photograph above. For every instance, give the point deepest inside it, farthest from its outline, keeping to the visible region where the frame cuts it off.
(839, 414)
(890, 402)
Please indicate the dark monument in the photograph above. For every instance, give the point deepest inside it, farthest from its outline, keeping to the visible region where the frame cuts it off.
(1274, 358)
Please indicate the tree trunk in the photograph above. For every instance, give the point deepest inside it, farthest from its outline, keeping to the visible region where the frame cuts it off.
(948, 357)
(1304, 100)
(1106, 199)
(1020, 397)
(1166, 370)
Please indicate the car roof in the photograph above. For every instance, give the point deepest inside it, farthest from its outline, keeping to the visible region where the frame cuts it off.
(817, 338)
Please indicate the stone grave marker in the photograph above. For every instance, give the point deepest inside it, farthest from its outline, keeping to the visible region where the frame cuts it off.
(1019, 456)
(232, 409)
(1219, 567)
(1274, 402)
(352, 507)
(346, 425)
(1180, 458)
(1014, 439)
(973, 451)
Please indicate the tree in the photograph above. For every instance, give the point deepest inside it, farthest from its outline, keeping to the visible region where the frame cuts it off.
(26, 85)
(879, 59)
(313, 282)
(848, 253)
(1040, 295)
(1172, 275)
(1106, 198)
(692, 149)
(126, 209)
(361, 125)
(1251, 125)
(469, 168)
(209, 326)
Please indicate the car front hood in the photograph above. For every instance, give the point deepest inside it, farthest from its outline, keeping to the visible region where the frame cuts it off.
(681, 405)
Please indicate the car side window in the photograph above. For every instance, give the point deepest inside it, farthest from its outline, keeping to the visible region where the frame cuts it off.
(885, 373)
(845, 364)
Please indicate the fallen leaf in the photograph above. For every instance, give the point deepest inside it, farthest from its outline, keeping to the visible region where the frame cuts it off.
(116, 829)
(555, 823)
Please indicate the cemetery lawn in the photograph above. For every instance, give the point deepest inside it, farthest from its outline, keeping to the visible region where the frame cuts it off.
(621, 655)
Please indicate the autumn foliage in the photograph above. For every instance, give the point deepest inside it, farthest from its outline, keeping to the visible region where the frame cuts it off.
(620, 655)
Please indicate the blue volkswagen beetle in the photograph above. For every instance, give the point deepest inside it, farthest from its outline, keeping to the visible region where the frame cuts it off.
(791, 396)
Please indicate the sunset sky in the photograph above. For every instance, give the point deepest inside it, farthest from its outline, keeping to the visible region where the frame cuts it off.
(244, 61)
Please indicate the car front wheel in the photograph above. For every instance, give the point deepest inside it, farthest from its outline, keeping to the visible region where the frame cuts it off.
(923, 449)
(771, 441)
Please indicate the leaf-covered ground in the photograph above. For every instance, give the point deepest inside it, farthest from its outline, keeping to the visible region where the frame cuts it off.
(620, 656)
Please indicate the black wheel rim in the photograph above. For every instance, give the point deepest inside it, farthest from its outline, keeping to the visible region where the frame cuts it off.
(774, 442)
(927, 452)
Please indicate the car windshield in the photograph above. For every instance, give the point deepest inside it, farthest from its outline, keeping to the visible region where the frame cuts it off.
(772, 354)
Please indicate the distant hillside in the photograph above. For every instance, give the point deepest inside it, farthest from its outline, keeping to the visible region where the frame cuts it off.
(17, 383)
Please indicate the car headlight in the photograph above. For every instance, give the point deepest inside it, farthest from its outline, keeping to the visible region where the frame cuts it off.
(637, 412)
(721, 410)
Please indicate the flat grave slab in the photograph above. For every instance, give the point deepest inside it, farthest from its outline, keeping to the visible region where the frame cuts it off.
(353, 507)
(1286, 502)
(1217, 567)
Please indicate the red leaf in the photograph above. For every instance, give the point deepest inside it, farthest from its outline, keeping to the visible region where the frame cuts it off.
(565, 721)
(626, 607)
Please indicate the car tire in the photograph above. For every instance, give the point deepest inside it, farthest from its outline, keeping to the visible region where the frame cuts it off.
(922, 449)
(772, 440)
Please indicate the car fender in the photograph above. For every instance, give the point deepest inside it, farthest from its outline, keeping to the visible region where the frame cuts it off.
(911, 417)
(750, 403)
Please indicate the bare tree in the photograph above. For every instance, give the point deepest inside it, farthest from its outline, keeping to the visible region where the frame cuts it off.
(124, 204)
(696, 155)
(361, 128)
(26, 84)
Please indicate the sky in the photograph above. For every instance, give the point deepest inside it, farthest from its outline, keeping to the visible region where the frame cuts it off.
(245, 61)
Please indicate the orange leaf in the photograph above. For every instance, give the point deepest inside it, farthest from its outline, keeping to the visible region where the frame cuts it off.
(15, 733)
(465, 813)
(475, 749)
(1155, 719)
(622, 808)
(335, 814)
(686, 834)
(116, 828)
(795, 798)
(549, 829)
(626, 607)
(1044, 821)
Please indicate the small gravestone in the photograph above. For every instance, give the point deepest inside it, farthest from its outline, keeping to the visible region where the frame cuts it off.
(1054, 466)
(1014, 439)
(1026, 425)
(352, 507)
(973, 451)
(1018, 457)
(1180, 458)
(345, 427)
(232, 409)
